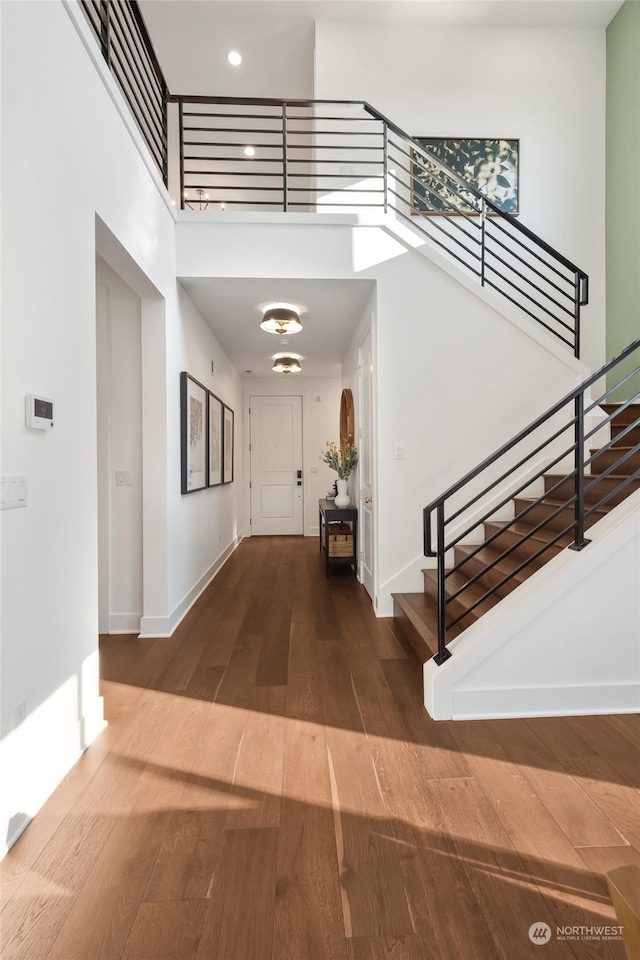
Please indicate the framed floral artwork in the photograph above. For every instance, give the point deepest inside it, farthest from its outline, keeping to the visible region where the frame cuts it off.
(227, 444)
(492, 166)
(193, 434)
(215, 440)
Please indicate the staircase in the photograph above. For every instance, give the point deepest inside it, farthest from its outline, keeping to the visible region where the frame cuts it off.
(513, 550)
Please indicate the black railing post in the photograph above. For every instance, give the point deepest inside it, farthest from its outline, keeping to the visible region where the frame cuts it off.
(483, 240)
(576, 313)
(385, 165)
(105, 30)
(442, 654)
(180, 122)
(165, 134)
(284, 157)
(580, 539)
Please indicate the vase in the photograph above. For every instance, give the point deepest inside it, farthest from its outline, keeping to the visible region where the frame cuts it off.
(343, 499)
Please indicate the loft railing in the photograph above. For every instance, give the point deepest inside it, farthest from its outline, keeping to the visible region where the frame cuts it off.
(321, 155)
(479, 496)
(333, 156)
(127, 49)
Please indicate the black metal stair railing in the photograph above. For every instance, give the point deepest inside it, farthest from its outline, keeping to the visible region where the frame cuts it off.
(126, 46)
(489, 488)
(337, 156)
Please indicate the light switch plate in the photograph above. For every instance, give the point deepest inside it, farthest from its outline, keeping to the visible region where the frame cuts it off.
(14, 492)
(124, 478)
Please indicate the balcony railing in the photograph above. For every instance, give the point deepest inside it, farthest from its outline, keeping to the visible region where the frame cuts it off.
(334, 156)
(339, 156)
(127, 49)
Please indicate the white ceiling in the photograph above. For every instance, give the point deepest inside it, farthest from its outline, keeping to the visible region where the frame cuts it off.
(276, 37)
(231, 308)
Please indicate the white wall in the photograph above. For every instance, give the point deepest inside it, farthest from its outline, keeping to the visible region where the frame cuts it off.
(566, 642)
(320, 422)
(351, 380)
(119, 358)
(94, 165)
(204, 526)
(544, 86)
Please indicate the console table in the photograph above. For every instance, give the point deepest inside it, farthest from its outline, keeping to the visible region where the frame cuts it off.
(340, 549)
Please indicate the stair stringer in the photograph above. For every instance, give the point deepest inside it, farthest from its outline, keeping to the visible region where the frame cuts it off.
(545, 650)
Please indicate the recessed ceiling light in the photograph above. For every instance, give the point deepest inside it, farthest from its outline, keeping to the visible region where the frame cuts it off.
(250, 151)
(234, 58)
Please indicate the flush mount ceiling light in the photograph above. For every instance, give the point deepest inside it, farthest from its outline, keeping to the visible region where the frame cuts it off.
(234, 58)
(281, 318)
(249, 151)
(286, 364)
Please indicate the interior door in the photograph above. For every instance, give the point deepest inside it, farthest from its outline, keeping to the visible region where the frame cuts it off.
(366, 458)
(276, 465)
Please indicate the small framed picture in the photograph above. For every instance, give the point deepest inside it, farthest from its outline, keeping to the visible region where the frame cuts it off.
(193, 428)
(227, 444)
(215, 440)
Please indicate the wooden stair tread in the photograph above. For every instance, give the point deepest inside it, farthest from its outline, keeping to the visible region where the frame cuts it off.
(619, 477)
(421, 632)
(504, 565)
(628, 415)
(422, 613)
(524, 530)
(551, 502)
(602, 460)
(469, 596)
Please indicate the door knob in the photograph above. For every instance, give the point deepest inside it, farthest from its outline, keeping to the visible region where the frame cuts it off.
(368, 499)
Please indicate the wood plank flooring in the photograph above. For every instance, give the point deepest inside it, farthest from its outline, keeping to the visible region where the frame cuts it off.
(271, 788)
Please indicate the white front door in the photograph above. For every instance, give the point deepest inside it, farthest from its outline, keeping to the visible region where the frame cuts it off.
(276, 465)
(366, 460)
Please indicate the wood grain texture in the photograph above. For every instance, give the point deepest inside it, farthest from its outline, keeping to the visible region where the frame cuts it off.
(166, 930)
(308, 909)
(271, 788)
(554, 864)
(386, 948)
(239, 921)
(581, 819)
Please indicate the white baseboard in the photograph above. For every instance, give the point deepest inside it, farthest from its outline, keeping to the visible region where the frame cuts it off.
(38, 754)
(565, 701)
(154, 628)
(124, 623)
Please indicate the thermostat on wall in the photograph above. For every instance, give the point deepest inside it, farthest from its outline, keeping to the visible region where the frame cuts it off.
(39, 412)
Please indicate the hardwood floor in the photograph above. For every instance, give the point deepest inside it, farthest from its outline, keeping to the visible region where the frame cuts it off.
(270, 786)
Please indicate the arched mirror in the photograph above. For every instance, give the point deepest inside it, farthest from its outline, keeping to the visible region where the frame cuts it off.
(347, 424)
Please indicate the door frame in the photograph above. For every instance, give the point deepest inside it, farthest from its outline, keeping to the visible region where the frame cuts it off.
(369, 332)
